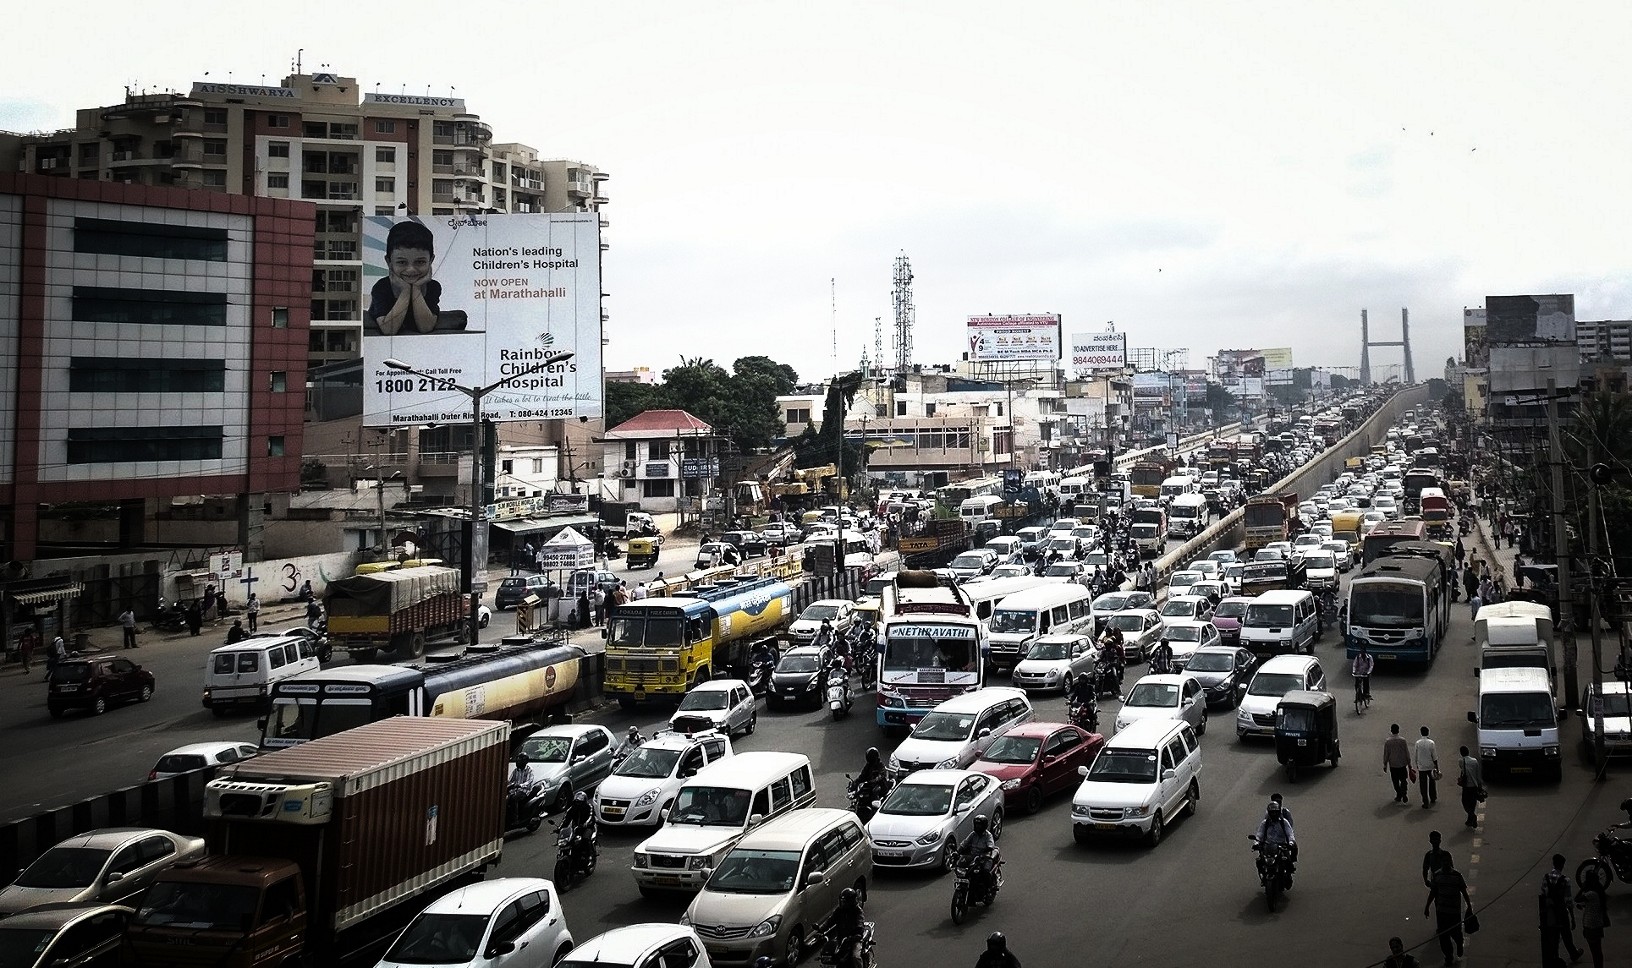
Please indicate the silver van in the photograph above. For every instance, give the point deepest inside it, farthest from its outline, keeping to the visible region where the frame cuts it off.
(242, 674)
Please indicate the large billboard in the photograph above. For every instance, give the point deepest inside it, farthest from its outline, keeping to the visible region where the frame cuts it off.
(1475, 350)
(1099, 351)
(1001, 339)
(1277, 358)
(1153, 385)
(1530, 319)
(471, 300)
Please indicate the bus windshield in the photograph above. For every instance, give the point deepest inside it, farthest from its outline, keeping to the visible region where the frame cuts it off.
(1388, 605)
(301, 721)
(912, 648)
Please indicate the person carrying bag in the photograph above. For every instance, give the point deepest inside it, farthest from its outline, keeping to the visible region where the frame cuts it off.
(1470, 778)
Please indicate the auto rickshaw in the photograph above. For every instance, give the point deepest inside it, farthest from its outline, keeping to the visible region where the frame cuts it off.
(1305, 730)
(642, 552)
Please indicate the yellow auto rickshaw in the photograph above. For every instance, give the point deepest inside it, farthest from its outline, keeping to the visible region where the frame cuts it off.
(642, 553)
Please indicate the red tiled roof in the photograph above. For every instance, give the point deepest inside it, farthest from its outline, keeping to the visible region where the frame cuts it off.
(648, 421)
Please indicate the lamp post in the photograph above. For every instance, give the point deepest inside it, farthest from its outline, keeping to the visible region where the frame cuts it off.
(476, 394)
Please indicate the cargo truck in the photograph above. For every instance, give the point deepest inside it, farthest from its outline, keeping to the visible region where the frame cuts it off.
(1269, 518)
(320, 853)
(396, 612)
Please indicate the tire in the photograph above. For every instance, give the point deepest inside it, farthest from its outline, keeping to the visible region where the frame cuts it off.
(1272, 893)
(1155, 836)
(1202, 729)
(563, 796)
(753, 721)
(649, 893)
(416, 645)
(220, 711)
(481, 623)
(1191, 798)
(99, 706)
(1079, 833)
(626, 703)
(55, 711)
(563, 875)
(146, 695)
(796, 948)
(996, 824)
(948, 849)
(960, 905)
(561, 952)
(1034, 799)
(1605, 873)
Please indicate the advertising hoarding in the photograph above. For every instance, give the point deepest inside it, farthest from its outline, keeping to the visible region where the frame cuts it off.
(1001, 339)
(1152, 385)
(1099, 351)
(470, 300)
(1528, 319)
(1231, 365)
(1475, 351)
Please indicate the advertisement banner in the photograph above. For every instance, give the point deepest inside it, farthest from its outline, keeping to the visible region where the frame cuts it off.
(1153, 384)
(1527, 319)
(1277, 358)
(1099, 351)
(1475, 351)
(473, 299)
(1000, 339)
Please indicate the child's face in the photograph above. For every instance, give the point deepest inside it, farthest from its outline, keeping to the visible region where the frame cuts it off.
(410, 265)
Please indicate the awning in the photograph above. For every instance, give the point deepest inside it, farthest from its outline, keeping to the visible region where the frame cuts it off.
(531, 525)
(70, 590)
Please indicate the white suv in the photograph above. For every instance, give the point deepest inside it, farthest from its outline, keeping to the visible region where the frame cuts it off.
(1145, 774)
(1255, 714)
(643, 785)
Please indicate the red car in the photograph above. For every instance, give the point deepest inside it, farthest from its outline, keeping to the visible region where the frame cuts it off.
(1035, 760)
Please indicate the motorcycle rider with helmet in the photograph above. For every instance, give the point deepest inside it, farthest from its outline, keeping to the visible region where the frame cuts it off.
(1276, 828)
(980, 854)
(845, 930)
(824, 635)
(1161, 659)
(997, 953)
(1083, 692)
(581, 817)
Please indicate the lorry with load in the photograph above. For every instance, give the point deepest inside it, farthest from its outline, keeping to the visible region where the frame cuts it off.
(1268, 518)
(626, 520)
(941, 540)
(525, 681)
(396, 612)
(319, 854)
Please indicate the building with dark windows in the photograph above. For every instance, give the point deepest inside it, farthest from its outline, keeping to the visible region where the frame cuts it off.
(152, 349)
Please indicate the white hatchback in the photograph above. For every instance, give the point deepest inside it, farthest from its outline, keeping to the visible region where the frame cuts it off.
(726, 705)
(507, 922)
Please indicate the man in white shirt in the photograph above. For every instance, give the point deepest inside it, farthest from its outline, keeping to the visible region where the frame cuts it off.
(639, 592)
(1425, 758)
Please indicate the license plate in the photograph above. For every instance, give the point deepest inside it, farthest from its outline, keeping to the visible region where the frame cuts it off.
(1104, 826)
(67, 688)
(1519, 769)
(667, 878)
(1303, 742)
(612, 811)
(893, 854)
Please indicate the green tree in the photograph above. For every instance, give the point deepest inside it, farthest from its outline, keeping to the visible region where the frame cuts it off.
(1221, 402)
(624, 400)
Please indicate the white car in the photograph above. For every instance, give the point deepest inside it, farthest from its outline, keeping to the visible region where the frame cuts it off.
(840, 613)
(1187, 608)
(1371, 519)
(1184, 637)
(1386, 504)
(726, 705)
(1180, 580)
(1009, 571)
(506, 922)
(970, 564)
(925, 817)
(1305, 543)
(958, 730)
(642, 786)
(1164, 697)
(1053, 661)
(659, 945)
(1255, 713)
(197, 756)
(1342, 550)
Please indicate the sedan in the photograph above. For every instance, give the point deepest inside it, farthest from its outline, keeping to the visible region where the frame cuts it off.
(77, 935)
(1180, 580)
(1185, 637)
(972, 564)
(1110, 603)
(750, 543)
(1227, 618)
(799, 677)
(1141, 629)
(504, 921)
(929, 813)
(111, 866)
(1224, 557)
(569, 758)
(1053, 661)
(197, 756)
(1220, 669)
(1187, 607)
(1036, 760)
(1165, 697)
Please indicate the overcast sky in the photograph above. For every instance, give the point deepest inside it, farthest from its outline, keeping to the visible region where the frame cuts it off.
(1208, 175)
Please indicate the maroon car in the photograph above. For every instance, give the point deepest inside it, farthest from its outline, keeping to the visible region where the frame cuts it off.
(1035, 760)
(93, 683)
(1227, 619)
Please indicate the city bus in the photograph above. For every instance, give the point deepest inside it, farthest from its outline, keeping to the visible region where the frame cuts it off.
(1378, 540)
(933, 644)
(953, 495)
(1415, 479)
(1400, 607)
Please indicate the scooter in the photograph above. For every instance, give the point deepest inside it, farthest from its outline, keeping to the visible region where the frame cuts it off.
(525, 805)
(838, 693)
(759, 675)
(832, 957)
(1614, 858)
(170, 618)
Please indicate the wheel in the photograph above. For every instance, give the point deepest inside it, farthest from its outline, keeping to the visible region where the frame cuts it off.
(56, 712)
(1034, 799)
(795, 949)
(948, 850)
(563, 796)
(533, 823)
(99, 706)
(1272, 892)
(563, 875)
(1202, 729)
(1191, 798)
(960, 905)
(481, 623)
(648, 893)
(838, 714)
(1066, 684)
(996, 825)
(1155, 836)
(416, 645)
(561, 952)
(145, 695)
(325, 655)
(1605, 873)
(362, 655)
(753, 720)
(220, 711)
(1079, 833)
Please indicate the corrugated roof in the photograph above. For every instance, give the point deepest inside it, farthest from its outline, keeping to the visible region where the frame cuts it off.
(651, 420)
(364, 749)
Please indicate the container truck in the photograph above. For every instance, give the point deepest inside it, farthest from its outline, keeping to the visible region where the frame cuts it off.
(396, 612)
(320, 853)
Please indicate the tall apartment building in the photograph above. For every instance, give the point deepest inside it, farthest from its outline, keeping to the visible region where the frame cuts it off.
(1604, 340)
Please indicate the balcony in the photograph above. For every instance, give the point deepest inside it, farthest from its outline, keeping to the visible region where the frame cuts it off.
(580, 187)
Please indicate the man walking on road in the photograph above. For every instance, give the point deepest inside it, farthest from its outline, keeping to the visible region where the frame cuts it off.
(1425, 760)
(127, 619)
(1557, 915)
(1447, 892)
(1397, 761)
(1433, 858)
(1470, 776)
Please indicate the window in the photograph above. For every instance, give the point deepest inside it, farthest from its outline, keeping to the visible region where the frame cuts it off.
(385, 156)
(275, 658)
(280, 381)
(385, 127)
(442, 129)
(444, 158)
(282, 901)
(126, 860)
(386, 186)
(91, 374)
(115, 445)
(277, 120)
(274, 445)
(215, 147)
(156, 848)
(629, 451)
(657, 450)
(277, 149)
(280, 318)
(538, 465)
(658, 488)
(88, 153)
(95, 304)
(534, 907)
(215, 179)
(798, 415)
(148, 239)
(277, 179)
(215, 115)
(801, 780)
(900, 408)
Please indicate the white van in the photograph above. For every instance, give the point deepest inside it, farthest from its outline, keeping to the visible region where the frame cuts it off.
(1186, 512)
(1073, 487)
(1147, 537)
(1518, 722)
(1174, 486)
(978, 509)
(1281, 622)
(1005, 546)
(985, 595)
(1055, 609)
(954, 734)
(242, 674)
(712, 811)
(1147, 773)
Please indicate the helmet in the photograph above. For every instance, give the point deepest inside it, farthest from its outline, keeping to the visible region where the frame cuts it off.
(634, 732)
(1274, 809)
(848, 897)
(980, 824)
(580, 797)
(996, 942)
(873, 758)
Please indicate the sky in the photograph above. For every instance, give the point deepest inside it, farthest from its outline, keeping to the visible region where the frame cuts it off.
(1203, 175)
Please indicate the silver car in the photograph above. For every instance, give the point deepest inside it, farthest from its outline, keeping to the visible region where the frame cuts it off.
(111, 866)
(569, 759)
(1053, 661)
(928, 814)
(1141, 629)
(726, 705)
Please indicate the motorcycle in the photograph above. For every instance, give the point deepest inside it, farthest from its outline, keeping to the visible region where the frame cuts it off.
(836, 954)
(1274, 869)
(838, 693)
(170, 618)
(574, 855)
(1108, 684)
(759, 674)
(1614, 857)
(867, 659)
(1083, 715)
(864, 798)
(964, 889)
(525, 805)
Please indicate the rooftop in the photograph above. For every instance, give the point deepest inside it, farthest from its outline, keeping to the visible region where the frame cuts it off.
(666, 421)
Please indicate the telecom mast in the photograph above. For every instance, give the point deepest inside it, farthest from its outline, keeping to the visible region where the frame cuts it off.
(905, 313)
(878, 344)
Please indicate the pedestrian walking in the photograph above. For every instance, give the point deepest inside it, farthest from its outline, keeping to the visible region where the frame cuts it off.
(1557, 914)
(26, 644)
(1594, 915)
(1475, 603)
(1447, 893)
(1397, 763)
(195, 619)
(1433, 857)
(609, 598)
(1398, 957)
(314, 611)
(583, 609)
(1470, 777)
(252, 608)
(127, 621)
(57, 655)
(1425, 764)
(1460, 552)
(209, 602)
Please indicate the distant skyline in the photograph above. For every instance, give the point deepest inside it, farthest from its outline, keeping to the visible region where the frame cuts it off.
(1207, 175)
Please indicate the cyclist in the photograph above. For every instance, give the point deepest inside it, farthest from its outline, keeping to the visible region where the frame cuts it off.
(1362, 668)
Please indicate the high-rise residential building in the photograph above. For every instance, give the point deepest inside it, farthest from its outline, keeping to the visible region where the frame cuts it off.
(1604, 340)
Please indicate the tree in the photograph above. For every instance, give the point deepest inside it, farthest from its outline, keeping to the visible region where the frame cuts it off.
(624, 400)
(1221, 402)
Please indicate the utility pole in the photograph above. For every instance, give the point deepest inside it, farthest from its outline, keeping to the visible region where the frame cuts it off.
(1596, 474)
(1565, 633)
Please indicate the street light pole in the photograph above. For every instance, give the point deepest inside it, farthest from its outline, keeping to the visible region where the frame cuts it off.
(475, 511)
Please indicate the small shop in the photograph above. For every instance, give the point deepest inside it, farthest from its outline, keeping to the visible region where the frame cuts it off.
(43, 604)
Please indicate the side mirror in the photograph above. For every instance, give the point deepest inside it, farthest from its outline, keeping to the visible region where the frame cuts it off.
(1082, 771)
(260, 724)
(754, 819)
(814, 878)
(1169, 774)
(115, 877)
(983, 734)
(1473, 718)
(502, 948)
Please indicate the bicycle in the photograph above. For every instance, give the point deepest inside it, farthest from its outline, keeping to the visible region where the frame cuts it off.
(1362, 694)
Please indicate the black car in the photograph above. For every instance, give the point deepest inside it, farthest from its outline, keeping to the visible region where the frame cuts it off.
(751, 544)
(1221, 669)
(93, 683)
(81, 935)
(800, 677)
(517, 587)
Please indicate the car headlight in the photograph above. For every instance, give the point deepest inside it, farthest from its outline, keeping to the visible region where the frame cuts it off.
(697, 863)
(950, 763)
(685, 919)
(933, 837)
(1013, 784)
(640, 859)
(1120, 722)
(1139, 811)
(767, 927)
(649, 796)
(895, 763)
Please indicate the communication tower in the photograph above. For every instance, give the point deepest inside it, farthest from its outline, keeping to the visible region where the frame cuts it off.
(905, 314)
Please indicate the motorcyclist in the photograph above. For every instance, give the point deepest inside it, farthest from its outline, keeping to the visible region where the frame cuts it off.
(979, 854)
(1081, 692)
(846, 928)
(1161, 659)
(1362, 668)
(872, 773)
(824, 635)
(520, 774)
(997, 953)
(581, 816)
(1275, 828)
(516, 787)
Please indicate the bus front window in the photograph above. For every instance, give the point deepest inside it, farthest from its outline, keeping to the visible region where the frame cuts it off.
(291, 720)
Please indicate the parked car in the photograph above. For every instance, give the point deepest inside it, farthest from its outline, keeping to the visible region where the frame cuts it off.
(1220, 669)
(726, 705)
(924, 818)
(643, 784)
(516, 922)
(96, 682)
(1164, 697)
(1053, 661)
(1036, 760)
(515, 588)
(569, 758)
(64, 936)
(110, 865)
(196, 756)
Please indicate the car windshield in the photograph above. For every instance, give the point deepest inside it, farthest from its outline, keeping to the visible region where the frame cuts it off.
(1110, 603)
(439, 939)
(1013, 749)
(1178, 608)
(1184, 633)
(969, 561)
(179, 763)
(797, 663)
(1234, 609)
(1128, 623)
(65, 867)
(1269, 616)
(1323, 559)
(1210, 662)
(1124, 766)
(716, 806)
(756, 872)
(939, 725)
(1049, 650)
(1012, 620)
(1153, 694)
(815, 613)
(1617, 705)
(1506, 710)
(649, 762)
(181, 904)
(918, 800)
(1182, 579)
(1274, 684)
(706, 699)
(546, 749)
(1061, 569)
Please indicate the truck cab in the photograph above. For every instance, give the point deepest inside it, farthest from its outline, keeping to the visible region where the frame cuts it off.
(231, 912)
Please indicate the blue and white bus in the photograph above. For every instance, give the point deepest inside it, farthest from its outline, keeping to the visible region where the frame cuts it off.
(1400, 607)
